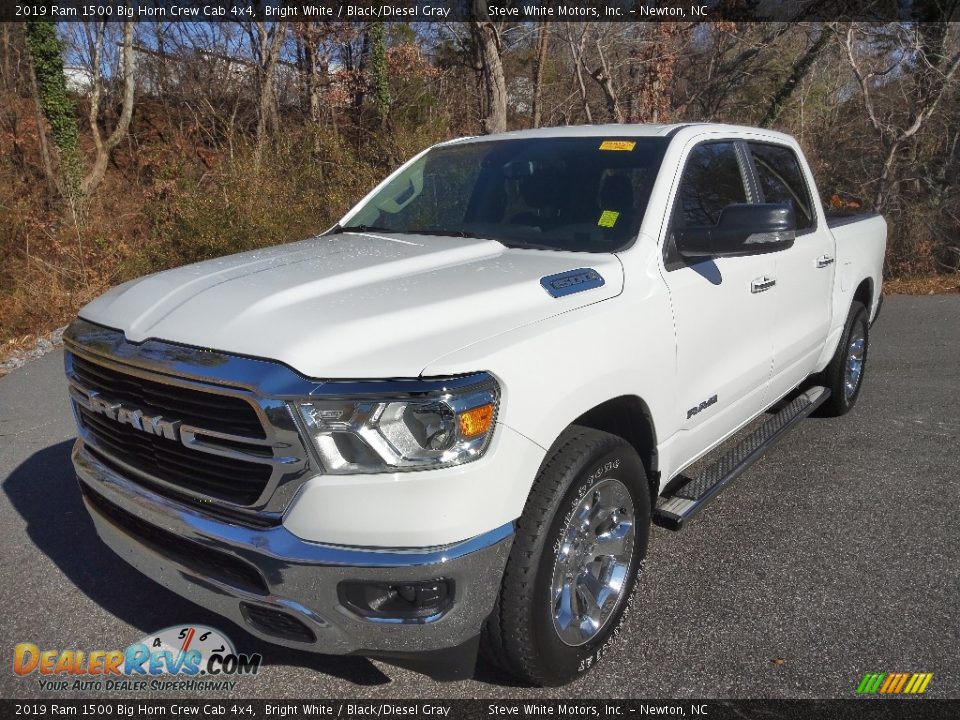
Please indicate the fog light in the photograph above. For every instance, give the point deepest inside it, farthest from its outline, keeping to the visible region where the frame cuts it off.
(397, 601)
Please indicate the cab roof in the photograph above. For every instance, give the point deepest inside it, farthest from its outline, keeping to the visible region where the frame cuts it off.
(617, 130)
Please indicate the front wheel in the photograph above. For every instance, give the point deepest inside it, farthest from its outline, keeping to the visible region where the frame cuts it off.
(580, 543)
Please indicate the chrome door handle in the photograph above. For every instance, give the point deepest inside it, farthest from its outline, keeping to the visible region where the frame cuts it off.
(824, 260)
(762, 284)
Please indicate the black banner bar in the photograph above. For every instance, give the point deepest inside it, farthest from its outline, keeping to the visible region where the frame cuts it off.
(854, 709)
(432, 11)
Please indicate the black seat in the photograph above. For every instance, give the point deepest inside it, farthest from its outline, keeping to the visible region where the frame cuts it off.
(616, 193)
(539, 194)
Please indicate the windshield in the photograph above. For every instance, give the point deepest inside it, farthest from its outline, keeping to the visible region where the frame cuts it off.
(585, 194)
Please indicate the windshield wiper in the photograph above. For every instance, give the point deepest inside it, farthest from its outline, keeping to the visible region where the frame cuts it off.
(525, 245)
(360, 228)
(450, 233)
(447, 232)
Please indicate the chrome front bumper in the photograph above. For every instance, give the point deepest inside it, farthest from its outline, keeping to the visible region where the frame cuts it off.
(299, 578)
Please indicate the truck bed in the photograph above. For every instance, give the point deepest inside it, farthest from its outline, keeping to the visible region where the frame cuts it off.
(837, 219)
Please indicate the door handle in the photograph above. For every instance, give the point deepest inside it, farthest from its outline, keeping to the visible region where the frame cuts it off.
(762, 284)
(824, 261)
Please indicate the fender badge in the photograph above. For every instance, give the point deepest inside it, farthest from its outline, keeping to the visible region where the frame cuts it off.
(572, 281)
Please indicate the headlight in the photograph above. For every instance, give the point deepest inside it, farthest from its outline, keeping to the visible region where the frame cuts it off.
(412, 425)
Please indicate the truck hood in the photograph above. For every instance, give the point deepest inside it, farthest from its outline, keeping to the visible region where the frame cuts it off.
(352, 305)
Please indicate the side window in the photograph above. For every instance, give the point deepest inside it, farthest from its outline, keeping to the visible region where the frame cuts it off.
(711, 181)
(781, 180)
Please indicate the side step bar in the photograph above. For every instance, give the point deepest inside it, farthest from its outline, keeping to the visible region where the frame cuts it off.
(693, 494)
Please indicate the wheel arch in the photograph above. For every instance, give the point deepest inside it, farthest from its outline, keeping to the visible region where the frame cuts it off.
(629, 418)
(864, 294)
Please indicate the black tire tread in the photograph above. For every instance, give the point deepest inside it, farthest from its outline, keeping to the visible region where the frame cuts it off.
(832, 375)
(506, 639)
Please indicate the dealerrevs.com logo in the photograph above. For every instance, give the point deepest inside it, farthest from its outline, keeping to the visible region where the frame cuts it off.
(184, 657)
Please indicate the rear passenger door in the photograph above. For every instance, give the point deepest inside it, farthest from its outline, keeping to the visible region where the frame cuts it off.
(804, 272)
(723, 316)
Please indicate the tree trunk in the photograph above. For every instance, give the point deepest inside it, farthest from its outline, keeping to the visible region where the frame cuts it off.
(48, 85)
(543, 42)
(576, 51)
(52, 184)
(604, 79)
(105, 147)
(491, 69)
(270, 40)
(314, 84)
(655, 63)
(6, 53)
(379, 78)
(799, 72)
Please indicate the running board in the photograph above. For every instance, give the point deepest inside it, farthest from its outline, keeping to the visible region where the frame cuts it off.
(693, 494)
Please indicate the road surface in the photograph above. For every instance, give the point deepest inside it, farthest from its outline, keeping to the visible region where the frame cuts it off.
(835, 555)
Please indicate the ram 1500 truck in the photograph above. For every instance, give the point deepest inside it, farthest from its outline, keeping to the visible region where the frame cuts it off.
(449, 422)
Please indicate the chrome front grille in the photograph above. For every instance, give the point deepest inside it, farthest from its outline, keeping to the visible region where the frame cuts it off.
(221, 413)
(202, 442)
(237, 481)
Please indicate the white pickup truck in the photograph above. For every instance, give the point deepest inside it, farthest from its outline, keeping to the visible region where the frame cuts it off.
(449, 422)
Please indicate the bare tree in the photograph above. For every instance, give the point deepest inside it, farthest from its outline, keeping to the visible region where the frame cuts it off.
(603, 75)
(894, 131)
(721, 65)
(104, 147)
(316, 65)
(486, 36)
(799, 71)
(540, 59)
(267, 39)
(576, 53)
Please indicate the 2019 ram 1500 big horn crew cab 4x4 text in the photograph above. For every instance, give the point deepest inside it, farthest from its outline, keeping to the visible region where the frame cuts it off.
(450, 421)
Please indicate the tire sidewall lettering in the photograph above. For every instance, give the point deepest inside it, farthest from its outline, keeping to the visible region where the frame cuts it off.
(601, 471)
(609, 464)
(616, 633)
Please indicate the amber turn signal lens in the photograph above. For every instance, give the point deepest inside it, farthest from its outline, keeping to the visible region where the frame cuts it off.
(476, 421)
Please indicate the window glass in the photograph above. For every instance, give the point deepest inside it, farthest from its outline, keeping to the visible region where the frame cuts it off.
(711, 181)
(781, 180)
(566, 193)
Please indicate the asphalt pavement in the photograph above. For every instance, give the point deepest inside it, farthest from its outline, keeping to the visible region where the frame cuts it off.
(835, 555)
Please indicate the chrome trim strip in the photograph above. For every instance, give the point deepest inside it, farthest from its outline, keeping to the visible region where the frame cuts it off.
(184, 363)
(269, 386)
(274, 542)
(190, 435)
(302, 577)
(266, 378)
(292, 463)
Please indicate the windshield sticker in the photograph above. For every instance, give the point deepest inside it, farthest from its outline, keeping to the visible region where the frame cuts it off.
(618, 145)
(608, 218)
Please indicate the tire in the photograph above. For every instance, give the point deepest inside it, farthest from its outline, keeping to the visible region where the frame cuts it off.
(835, 376)
(532, 633)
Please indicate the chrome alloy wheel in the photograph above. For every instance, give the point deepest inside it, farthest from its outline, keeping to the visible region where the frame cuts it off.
(590, 573)
(854, 367)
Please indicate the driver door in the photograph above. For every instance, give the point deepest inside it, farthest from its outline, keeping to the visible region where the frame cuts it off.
(723, 312)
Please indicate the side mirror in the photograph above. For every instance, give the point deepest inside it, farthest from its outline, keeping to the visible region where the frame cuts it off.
(741, 230)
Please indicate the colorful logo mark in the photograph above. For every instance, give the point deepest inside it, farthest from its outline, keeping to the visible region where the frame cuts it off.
(894, 683)
(179, 650)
